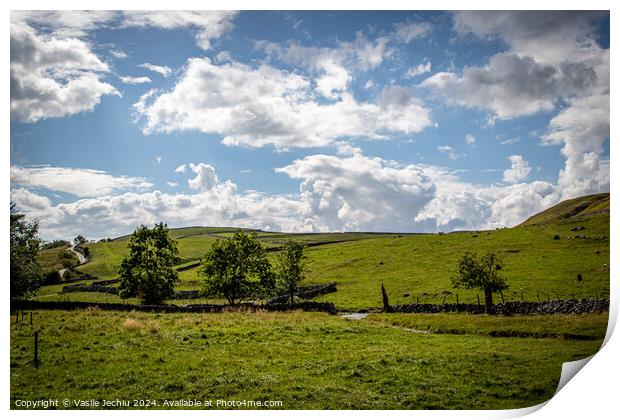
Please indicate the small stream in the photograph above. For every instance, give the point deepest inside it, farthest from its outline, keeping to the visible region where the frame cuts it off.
(355, 316)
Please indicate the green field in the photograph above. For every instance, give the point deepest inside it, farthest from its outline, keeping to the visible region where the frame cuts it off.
(422, 266)
(305, 360)
(315, 360)
(537, 266)
(581, 327)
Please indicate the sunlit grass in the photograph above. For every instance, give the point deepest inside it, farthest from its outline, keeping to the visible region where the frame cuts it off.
(306, 360)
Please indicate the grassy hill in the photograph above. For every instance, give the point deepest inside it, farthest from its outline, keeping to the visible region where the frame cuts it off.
(54, 259)
(542, 257)
(572, 209)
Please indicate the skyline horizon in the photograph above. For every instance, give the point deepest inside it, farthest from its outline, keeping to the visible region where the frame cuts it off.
(321, 121)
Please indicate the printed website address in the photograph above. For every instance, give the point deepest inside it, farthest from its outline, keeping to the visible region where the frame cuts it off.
(249, 403)
(145, 403)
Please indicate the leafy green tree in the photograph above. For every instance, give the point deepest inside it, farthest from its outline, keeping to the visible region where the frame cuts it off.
(480, 273)
(289, 267)
(147, 271)
(26, 271)
(79, 240)
(237, 268)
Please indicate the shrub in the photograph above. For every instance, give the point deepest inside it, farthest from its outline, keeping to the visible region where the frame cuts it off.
(51, 277)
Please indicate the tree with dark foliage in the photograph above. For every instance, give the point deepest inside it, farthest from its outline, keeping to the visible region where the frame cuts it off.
(480, 273)
(147, 271)
(79, 241)
(237, 268)
(26, 270)
(289, 267)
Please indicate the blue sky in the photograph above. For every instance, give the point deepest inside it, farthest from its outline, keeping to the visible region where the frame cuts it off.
(305, 121)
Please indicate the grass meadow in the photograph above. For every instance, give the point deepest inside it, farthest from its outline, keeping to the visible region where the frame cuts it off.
(320, 361)
(305, 360)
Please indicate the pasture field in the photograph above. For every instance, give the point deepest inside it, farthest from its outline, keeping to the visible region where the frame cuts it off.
(422, 266)
(320, 361)
(305, 360)
(419, 268)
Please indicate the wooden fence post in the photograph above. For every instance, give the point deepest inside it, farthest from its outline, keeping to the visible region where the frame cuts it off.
(36, 349)
(478, 297)
(502, 295)
(30, 317)
(17, 316)
(386, 303)
(457, 298)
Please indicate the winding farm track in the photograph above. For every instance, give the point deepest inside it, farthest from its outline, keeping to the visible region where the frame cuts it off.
(81, 258)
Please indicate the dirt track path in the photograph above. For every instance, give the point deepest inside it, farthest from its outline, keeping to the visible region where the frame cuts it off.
(81, 258)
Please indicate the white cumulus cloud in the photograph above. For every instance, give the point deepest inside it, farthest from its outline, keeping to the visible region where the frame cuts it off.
(135, 80)
(53, 74)
(205, 179)
(518, 171)
(348, 192)
(448, 150)
(552, 63)
(76, 181)
(208, 25)
(359, 193)
(163, 70)
(421, 68)
(267, 106)
(409, 31)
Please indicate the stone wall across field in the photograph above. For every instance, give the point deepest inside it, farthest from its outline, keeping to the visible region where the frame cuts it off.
(308, 292)
(199, 308)
(571, 306)
(104, 282)
(188, 267)
(102, 286)
(98, 288)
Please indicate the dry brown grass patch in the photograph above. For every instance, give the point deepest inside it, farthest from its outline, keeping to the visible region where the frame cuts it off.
(135, 324)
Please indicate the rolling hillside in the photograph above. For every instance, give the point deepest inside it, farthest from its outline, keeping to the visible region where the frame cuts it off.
(572, 209)
(542, 257)
(54, 259)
